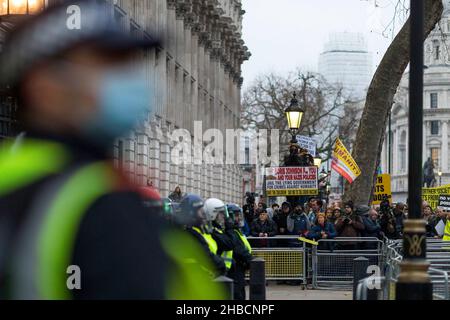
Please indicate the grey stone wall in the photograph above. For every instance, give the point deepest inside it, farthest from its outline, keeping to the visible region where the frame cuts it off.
(196, 76)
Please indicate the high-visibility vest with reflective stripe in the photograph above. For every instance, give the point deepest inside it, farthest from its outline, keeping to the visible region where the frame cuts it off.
(244, 240)
(212, 244)
(447, 231)
(188, 282)
(227, 256)
(45, 249)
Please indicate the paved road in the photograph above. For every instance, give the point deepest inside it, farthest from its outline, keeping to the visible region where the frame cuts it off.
(285, 292)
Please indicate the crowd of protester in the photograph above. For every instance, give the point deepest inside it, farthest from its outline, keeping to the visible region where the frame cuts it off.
(314, 221)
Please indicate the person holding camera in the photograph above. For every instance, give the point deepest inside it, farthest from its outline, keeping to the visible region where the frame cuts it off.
(249, 208)
(349, 225)
(387, 220)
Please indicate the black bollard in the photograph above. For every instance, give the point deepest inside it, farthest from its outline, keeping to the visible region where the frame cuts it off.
(360, 266)
(228, 284)
(257, 279)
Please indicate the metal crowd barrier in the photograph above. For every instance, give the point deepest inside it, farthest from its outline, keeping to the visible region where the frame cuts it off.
(439, 279)
(285, 257)
(332, 260)
(363, 287)
(438, 254)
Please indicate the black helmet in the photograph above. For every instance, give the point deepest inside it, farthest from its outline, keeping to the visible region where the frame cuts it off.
(191, 211)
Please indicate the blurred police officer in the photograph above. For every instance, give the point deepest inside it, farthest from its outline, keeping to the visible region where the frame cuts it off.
(195, 219)
(63, 207)
(242, 252)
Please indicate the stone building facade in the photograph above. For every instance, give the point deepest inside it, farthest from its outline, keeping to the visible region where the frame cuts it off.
(436, 114)
(196, 76)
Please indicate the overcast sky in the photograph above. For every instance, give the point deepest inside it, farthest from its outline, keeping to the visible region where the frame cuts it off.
(285, 34)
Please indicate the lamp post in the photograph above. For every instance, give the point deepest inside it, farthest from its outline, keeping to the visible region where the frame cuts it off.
(440, 177)
(11, 13)
(11, 10)
(294, 115)
(414, 282)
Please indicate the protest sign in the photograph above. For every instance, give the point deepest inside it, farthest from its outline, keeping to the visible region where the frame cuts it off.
(291, 181)
(444, 202)
(440, 228)
(382, 189)
(343, 162)
(307, 143)
(431, 195)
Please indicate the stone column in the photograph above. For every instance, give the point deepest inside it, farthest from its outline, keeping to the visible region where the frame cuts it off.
(142, 154)
(424, 146)
(129, 153)
(164, 174)
(154, 158)
(444, 149)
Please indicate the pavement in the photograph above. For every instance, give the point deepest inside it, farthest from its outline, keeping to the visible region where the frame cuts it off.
(286, 292)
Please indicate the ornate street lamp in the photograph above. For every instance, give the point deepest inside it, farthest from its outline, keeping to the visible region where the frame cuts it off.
(11, 10)
(440, 177)
(414, 282)
(294, 115)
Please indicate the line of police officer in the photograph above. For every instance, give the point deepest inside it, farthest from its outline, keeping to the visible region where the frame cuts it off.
(217, 228)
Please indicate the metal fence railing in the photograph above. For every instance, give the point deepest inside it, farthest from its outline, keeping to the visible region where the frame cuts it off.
(328, 263)
(332, 260)
(438, 254)
(285, 257)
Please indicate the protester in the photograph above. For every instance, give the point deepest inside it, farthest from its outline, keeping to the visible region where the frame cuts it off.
(275, 207)
(281, 218)
(263, 227)
(350, 225)
(439, 216)
(428, 216)
(387, 220)
(329, 215)
(399, 215)
(176, 195)
(249, 208)
(322, 229)
(372, 226)
(316, 207)
(298, 222)
(337, 213)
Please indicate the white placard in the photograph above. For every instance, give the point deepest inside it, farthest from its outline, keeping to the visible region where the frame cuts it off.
(308, 144)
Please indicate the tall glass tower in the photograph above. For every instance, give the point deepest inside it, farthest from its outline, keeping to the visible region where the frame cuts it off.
(346, 61)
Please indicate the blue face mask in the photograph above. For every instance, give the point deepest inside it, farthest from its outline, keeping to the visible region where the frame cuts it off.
(124, 102)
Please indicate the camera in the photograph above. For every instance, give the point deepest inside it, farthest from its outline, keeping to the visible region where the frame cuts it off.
(250, 198)
(347, 220)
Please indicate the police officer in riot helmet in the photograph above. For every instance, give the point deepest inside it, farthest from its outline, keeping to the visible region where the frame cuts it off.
(222, 229)
(193, 216)
(242, 252)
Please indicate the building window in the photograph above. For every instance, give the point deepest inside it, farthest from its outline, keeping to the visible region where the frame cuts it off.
(437, 50)
(435, 157)
(434, 127)
(433, 100)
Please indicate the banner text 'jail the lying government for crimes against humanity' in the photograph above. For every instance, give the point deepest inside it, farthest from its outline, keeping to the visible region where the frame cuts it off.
(291, 181)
